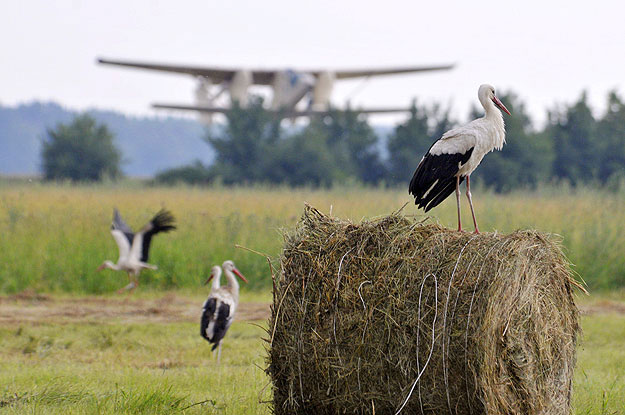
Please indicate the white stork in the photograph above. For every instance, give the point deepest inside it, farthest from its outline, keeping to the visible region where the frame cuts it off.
(216, 277)
(219, 308)
(457, 153)
(134, 247)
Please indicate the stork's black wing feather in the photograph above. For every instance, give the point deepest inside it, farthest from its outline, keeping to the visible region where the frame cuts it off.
(119, 224)
(163, 221)
(435, 178)
(207, 315)
(221, 324)
(440, 192)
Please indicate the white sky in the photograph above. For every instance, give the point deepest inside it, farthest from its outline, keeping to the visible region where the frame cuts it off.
(545, 51)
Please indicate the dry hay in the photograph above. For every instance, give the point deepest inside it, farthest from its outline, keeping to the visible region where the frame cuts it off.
(369, 317)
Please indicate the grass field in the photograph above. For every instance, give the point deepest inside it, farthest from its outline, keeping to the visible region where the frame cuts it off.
(145, 368)
(139, 364)
(53, 238)
(62, 352)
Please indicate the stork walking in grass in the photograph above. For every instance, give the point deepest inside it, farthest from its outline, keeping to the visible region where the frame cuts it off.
(457, 154)
(134, 248)
(219, 308)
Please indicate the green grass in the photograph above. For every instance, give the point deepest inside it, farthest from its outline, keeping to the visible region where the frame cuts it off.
(164, 368)
(599, 386)
(54, 237)
(130, 368)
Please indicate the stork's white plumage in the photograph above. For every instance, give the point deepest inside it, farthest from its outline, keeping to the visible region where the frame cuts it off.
(220, 307)
(134, 248)
(457, 154)
(215, 276)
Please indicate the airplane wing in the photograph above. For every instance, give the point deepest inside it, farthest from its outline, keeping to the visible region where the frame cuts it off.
(266, 77)
(359, 73)
(217, 75)
(281, 113)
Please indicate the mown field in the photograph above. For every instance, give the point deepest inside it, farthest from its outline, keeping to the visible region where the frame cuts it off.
(120, 367)
(146, 364)
(52, 238)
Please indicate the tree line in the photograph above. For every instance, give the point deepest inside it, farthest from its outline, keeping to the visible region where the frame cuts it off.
(253, 147)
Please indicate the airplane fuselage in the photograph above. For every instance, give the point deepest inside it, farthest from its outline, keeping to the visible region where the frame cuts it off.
(289, 88)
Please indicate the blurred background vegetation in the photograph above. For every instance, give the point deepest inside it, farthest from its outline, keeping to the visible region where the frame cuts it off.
(576, 145)
(573, 147)
(53, 237)
(566, 178)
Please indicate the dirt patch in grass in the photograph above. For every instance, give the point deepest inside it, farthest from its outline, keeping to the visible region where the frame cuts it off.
(32, 307)
(603, 307)
(26, 295)
(36, 308)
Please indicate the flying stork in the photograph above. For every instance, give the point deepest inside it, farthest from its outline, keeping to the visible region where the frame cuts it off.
(219, 308)
(457, 154)
(134, 247)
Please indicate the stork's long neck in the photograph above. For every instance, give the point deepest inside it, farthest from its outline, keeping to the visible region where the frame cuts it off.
(216, 281)
(233, 284)
(490, 109)
(494, 117)
(112, 265)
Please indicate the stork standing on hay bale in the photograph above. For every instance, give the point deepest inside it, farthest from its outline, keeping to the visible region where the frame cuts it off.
(457, 154)
(219, 308)
(134, 247)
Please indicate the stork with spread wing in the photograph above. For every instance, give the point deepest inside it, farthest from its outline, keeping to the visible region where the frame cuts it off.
(134, 247)
(290, 87)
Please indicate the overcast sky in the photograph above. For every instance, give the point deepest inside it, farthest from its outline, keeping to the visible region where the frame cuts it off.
(545, 51)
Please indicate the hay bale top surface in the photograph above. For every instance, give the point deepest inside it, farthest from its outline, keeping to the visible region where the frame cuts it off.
(486, 323)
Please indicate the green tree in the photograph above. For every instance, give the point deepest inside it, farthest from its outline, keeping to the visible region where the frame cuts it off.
(573, 131)
(611, 140)
(525, 159)
(242, 147)
(352, 143)
(253, 148)
(195, 173)
(412, 139)
(80, 151)
(304, 159)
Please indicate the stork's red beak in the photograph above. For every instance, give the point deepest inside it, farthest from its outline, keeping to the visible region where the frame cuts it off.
(236, 271)
(500, 105)
(101, 267)
(210, 277)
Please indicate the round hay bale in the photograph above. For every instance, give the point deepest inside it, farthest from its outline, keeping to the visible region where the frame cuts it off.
(394, 314)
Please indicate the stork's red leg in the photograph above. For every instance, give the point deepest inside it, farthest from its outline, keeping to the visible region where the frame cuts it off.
(471, 203)
(458, 202)
(121, 290)
(136, 283)
(132, 284)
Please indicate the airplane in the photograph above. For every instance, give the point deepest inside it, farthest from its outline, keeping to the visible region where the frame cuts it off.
(290, 87)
